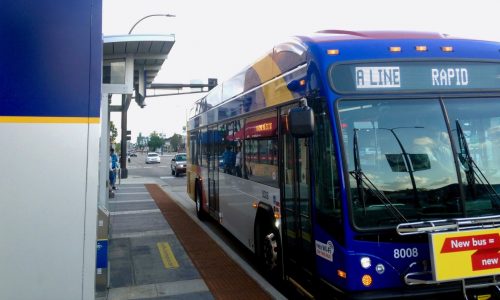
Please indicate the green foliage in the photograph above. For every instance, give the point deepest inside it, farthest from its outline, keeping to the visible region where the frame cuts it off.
(113, 132)
(141, 141)
(176, 141)
(155, 141)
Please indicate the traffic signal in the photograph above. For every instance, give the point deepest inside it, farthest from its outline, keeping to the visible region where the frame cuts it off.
(140, 101)
(212, 82)
(129, 133)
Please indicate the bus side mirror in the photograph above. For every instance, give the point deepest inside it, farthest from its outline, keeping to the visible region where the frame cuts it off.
(301, 121)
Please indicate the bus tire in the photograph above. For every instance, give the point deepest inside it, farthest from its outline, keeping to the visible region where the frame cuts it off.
(198, 204)
(268, 249)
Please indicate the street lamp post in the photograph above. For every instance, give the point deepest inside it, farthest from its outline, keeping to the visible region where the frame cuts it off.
(149, 16)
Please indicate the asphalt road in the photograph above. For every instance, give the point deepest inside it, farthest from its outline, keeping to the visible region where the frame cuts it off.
(138, 167)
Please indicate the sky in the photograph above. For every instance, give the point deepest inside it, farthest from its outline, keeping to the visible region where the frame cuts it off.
(219, 38)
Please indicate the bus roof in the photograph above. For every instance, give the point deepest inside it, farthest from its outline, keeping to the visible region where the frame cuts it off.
(295, 52)
(331, 35)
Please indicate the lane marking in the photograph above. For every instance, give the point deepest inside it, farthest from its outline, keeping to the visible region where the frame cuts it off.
(125, 187)
(131, 201)
(142, 234)
(133, 212)
(133, 193)
(167, 256)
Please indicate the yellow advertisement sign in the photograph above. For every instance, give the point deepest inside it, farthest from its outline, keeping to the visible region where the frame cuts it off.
(465, 254)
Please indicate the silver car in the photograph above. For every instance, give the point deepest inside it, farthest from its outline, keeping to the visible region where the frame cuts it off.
(178, 164)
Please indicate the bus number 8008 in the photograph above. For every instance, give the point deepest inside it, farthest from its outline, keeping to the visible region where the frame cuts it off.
(405, 253)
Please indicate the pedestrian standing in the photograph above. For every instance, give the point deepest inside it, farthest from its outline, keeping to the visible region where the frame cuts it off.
(113, 167)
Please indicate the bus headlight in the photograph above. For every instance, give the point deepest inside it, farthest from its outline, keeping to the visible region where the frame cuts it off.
(366, 262)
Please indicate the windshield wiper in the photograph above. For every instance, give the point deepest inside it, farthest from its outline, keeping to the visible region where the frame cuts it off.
(362, 180)
(472, 172)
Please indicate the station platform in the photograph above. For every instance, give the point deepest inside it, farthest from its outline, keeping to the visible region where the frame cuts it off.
(158, 251)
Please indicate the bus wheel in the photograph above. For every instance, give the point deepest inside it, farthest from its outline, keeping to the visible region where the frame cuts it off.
(199, 209)
(270, 251)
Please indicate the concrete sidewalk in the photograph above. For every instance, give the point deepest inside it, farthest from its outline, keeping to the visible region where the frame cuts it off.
(138, 230)
(146, 260)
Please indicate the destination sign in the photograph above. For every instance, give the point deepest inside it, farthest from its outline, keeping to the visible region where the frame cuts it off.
(415, 76)
(465, 254)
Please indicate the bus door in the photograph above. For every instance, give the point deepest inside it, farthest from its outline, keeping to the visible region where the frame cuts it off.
(213, 171)
(296, 212)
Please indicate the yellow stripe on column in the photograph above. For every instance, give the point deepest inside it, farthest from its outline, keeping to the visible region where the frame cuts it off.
(167, 256)
(67, 120)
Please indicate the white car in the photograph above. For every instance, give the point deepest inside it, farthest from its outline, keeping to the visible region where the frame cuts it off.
(152, 158)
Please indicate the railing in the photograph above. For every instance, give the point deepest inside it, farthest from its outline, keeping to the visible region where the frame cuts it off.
(456, 224)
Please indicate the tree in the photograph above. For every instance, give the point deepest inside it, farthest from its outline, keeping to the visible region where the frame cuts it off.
(155, 141)
(176, 141)
(113, 132)
(142, 141)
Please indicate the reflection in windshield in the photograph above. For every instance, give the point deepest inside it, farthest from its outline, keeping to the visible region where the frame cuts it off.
(475, 125)
(405, 151)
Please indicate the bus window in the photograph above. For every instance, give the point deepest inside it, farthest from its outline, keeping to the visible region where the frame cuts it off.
(261, 148)
(403, 148)
(204, 147)
(231, 134)
(479, 122)
(326, 179)
(194, 147)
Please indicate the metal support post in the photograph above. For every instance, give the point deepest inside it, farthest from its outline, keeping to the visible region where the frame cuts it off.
(123, 157)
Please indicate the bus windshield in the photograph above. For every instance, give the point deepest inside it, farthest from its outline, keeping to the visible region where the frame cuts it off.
(401, 162)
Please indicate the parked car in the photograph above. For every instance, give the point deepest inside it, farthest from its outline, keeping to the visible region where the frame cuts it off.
(152, 158)
(178, 164)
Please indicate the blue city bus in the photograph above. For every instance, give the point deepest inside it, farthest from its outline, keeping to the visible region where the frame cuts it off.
(361, 165)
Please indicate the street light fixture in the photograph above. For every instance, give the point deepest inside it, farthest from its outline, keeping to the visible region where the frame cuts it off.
(154, 15)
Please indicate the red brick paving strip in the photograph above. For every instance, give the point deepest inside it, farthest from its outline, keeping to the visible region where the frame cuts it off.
(224, 278)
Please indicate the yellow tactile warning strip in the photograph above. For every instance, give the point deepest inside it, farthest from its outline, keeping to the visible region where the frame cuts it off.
(167, 256)
(224, 278)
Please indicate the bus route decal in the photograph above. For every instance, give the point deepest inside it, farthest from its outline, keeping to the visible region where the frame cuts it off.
(324, 250)
(413, 76)
(378, 77)
(450, 76)
(466, 254)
